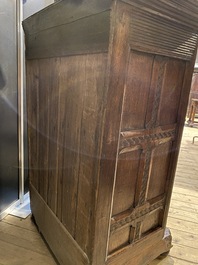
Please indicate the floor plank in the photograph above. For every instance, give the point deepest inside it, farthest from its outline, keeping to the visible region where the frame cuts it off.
(187, 198)
(26, 239)
(183, 214)
(185, 206)
(185, 253)
(184, 239)
(185, 191)
(182, 225)
(15, 255)
(21, 244)
(19, 222)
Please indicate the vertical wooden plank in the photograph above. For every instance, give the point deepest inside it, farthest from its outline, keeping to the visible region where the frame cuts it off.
(60, 142)
(43, 126)
(32, 119)
(90, 141)
(53, 133)
(71, 101)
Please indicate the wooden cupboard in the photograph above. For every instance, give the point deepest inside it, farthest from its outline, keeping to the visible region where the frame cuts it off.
(107, 93)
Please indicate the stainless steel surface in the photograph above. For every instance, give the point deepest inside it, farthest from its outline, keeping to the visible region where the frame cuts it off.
(20, 53)
(8, 106)
(13, 206)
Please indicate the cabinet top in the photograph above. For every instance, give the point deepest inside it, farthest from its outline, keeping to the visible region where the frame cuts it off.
(63, 12)
(82, 26)
(66, 11)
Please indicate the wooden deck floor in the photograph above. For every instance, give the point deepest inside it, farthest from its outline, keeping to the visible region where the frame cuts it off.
(21, 244)
(183, 214)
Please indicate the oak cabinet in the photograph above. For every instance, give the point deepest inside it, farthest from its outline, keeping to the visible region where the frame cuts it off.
(107, 93)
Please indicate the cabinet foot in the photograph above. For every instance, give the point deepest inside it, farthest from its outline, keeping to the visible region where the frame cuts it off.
(168, 244)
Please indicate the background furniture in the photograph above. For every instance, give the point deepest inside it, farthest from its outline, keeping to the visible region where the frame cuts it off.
(193, 109)
(107, 85)
(194, 139)
(194, 90)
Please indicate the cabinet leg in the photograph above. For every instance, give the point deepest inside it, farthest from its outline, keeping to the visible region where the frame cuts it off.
(34, 222)
(168, 243)
(33, 219)
(163, 255)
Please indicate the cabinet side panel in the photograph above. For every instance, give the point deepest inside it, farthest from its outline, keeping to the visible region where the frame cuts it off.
(42, 106)
(65, 115)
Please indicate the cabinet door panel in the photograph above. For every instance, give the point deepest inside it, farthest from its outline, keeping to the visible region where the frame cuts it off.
(148, 128)
(126, 177)
(136, 91)
(171, 92)
(159, 170)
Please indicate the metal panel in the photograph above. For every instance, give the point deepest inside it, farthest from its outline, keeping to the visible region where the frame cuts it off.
(30, 7)
(8, 106)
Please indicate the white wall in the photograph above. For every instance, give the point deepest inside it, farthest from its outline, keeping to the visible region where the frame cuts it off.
(32, 6)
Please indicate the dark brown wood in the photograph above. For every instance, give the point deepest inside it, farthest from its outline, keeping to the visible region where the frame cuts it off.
(105, 124)
(32, 103)
(61, 13)
(134, 252)
(87, 35)
(58, 238)
(54, 147)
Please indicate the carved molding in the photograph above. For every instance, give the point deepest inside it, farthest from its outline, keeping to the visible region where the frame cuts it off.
(153, 121)
(136, 215)
(144, 138)
(145, 177)
(137, 231)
